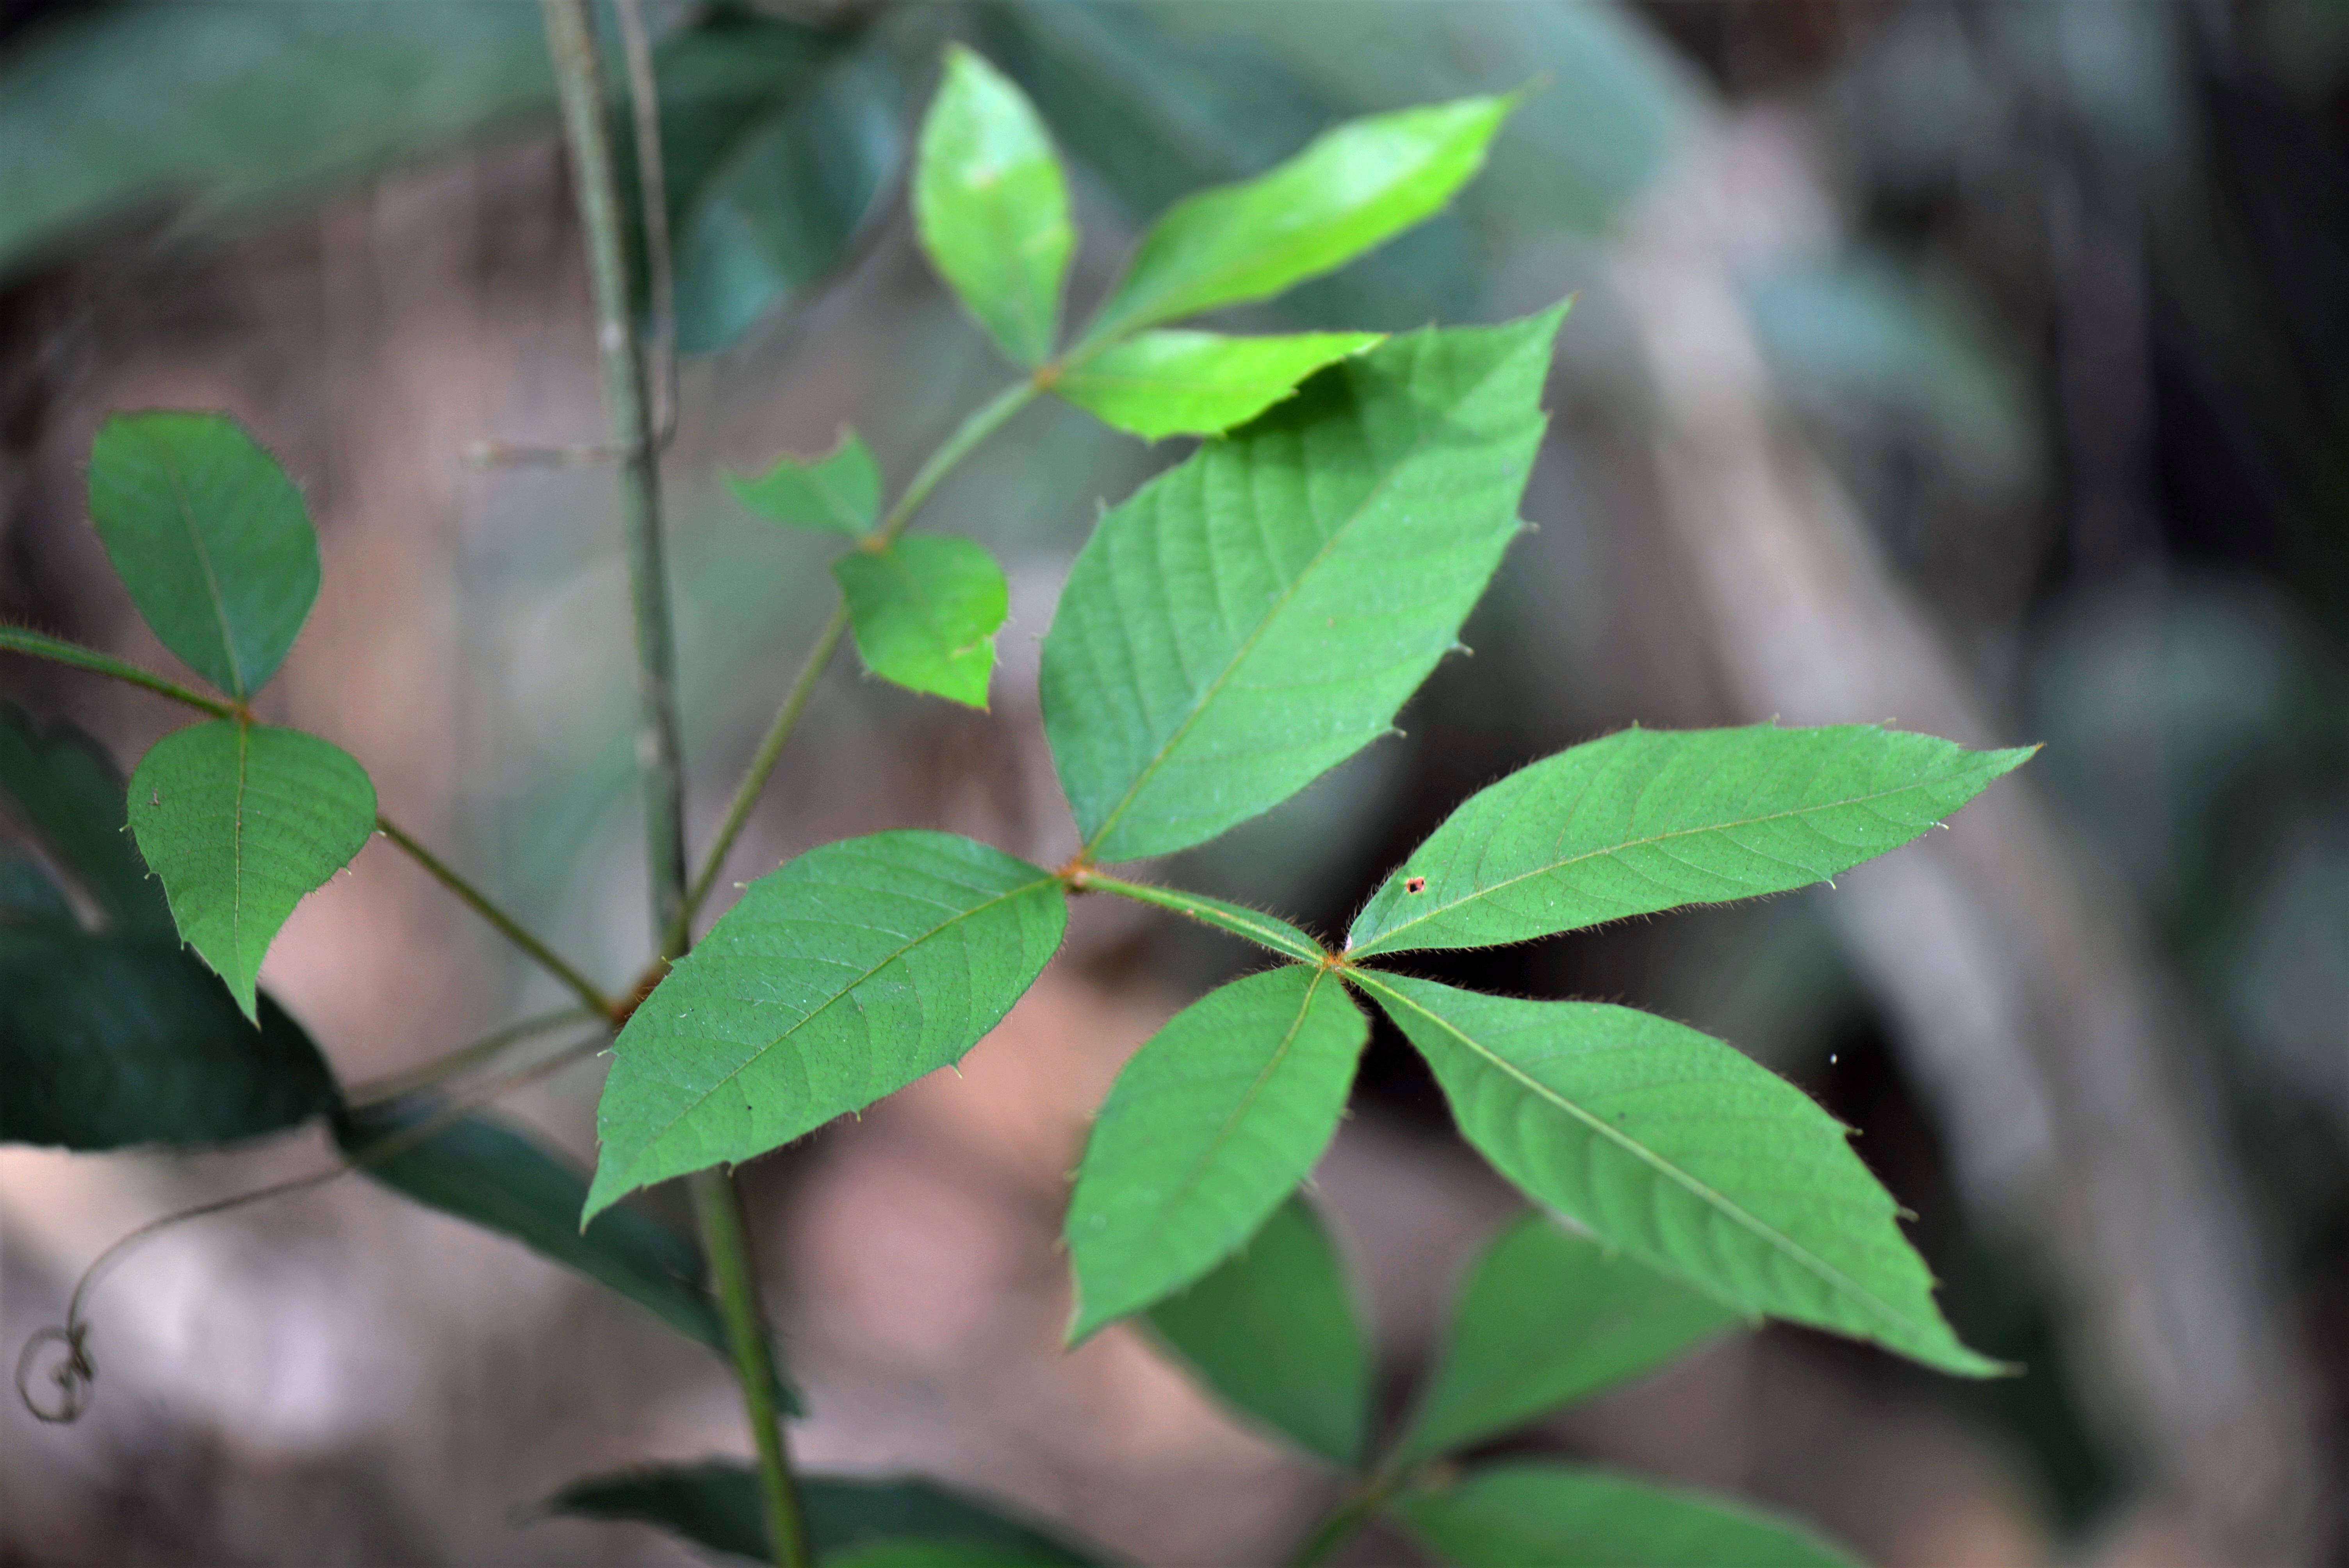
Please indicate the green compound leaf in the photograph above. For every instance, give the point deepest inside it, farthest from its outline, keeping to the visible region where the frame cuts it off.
(926, 610)
(481, 1170)
(1210, 1126)
(840, 492)
(1275, 1333)
(242, 821)
(1178, 383)
(63, 789)
(211, 538)
(1510, 1515)
(1647, 820)
(1354, 188)
(1547, 1319)
(107, 1042)
(839, 979)
(1255, 615)
(716, 1505)
(1689, 1157)
(991, 204)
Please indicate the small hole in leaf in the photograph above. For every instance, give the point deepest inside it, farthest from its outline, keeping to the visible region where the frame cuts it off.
(1416, 884)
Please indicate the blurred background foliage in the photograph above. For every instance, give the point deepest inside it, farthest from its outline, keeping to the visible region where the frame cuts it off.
(2057, 294)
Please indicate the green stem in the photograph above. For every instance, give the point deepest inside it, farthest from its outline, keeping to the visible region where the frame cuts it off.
(1263, 930)
(578, 74)
(507, 926)
(983, 422)
(57, 650)
(719, 1209)
(458, 1062)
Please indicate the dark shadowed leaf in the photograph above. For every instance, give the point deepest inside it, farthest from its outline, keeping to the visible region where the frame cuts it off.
(1546, 1318)
(63, 789)
(716, 1505)
(1516, 1515)
(1275, 1333)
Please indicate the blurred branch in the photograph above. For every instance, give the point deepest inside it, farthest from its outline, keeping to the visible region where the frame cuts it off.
(2027, 1004)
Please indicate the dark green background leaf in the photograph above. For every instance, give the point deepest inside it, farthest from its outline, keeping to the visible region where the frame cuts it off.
(1515, 1515)
(65, 790)
(717, 1505)
(1546, 1318)
(1275, 1333)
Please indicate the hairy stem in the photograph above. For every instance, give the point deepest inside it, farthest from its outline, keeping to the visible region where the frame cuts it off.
(571, 42)
(1265, 932)
(983, 422)
(507, 926)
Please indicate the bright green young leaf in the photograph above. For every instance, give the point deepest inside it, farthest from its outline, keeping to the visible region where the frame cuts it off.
(1355, 187)
(926, 610)
(107, 1042)
(1646, 819)
(1275, 1333)
(1685, 1154)
(991, 204)
(1210, 1126)
(1255, 616)
(63, 790)
(242, 821)
(481, 1170)
(1512, 1515)
(839, 979)
(211, 538)
(1546, 1318)
(840, 491)
(1180, 383)
(716, 1505)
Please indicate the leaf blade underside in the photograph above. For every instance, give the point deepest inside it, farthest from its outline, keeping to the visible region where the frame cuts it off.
(838, 979)
(1647, 820)
(1674, 1147)
(1207, 1129)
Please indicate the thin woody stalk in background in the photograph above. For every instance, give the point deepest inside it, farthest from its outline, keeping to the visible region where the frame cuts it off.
(571, 43)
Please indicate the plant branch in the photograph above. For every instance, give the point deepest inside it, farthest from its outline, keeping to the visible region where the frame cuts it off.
(983, 422)
(57, 650)
(571, 43)
(507, 926)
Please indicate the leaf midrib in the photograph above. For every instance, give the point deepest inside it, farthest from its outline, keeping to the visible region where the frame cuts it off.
(203, 559)
(1768, 1235)
(1273, 612)
(1378, 943)
(829, 1003)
